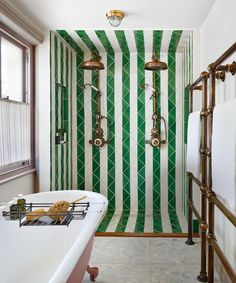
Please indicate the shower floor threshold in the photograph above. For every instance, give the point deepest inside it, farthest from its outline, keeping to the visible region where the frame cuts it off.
(159, 222)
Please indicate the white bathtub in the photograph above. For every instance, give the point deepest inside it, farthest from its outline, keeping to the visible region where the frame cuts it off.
(48, 254)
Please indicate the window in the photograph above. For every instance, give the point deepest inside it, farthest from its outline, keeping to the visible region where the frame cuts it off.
(16, 104)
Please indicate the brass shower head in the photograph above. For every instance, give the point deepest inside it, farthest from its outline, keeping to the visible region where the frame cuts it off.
(94, 63)
(155, 64)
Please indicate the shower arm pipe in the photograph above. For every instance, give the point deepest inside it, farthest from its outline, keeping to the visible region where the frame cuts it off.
(154, 93)
(98, 101)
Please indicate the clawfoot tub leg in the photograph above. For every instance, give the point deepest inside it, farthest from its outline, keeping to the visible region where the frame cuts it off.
(93, 271)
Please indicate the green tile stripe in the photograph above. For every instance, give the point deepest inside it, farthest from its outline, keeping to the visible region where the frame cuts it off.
(85, 38)
(157, 223)
(95, 150)
(123, 221)
(157, 38)
(64, 34)
(106, 220)
(140, 222)
(51, 107)
(125, 118)
(56, 108)
(120, 35)
(139, 39)
(61, 147)
(172, 119)
(80, 123)
(110, 68)
(174, 221)
(126, 129)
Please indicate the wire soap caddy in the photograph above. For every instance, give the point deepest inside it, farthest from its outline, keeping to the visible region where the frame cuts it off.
(76, 211)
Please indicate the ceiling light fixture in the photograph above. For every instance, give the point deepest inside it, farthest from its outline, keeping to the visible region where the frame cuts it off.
(115, 17)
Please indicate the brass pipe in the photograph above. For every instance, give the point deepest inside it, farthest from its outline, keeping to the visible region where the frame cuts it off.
(229, 269)
(211, 217)
(189, 240)
(154, 93)
(231, 217)
(196, 180)
(198, 80)
(98, 101)
(203, 274)
(223, 57)
(195, 212)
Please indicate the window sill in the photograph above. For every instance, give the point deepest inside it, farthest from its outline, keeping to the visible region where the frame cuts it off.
(7, 177)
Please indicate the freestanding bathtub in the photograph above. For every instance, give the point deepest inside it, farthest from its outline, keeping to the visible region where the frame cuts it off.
(50, 254)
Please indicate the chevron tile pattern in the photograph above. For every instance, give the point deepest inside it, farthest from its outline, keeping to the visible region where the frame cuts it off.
(124, 181)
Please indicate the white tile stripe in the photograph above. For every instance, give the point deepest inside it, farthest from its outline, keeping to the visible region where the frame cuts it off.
(129, 34)
(130, 227)
(164, 148)
(148, 227)
(114, 222)
(148, 41)
(95, 40)
(118, 132)
(166, 37)
(148, 148)
(133, 134)
(103, 150)
(113, 40)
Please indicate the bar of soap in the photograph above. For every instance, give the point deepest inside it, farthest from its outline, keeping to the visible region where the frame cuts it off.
(37, 213)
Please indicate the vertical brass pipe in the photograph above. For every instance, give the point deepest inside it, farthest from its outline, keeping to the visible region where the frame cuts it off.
(203, 150)
(98, 101)
(155, 92)
(189, 240)
(211, 217)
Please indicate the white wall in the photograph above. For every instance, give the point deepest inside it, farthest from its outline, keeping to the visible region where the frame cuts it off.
(23, 185)
(43, 111)
(218, 31)
(217, 34)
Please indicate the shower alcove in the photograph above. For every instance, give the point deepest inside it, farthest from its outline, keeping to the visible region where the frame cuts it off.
(145, 186)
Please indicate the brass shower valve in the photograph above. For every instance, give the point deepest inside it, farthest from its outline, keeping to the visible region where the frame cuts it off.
(155, 140)
(98, 141)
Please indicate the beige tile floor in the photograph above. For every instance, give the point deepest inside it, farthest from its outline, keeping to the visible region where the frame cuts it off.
(145, 260)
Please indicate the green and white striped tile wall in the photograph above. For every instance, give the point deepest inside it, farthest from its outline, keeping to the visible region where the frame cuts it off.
(143, 185)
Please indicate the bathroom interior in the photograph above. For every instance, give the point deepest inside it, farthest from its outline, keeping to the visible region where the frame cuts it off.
(117, 141)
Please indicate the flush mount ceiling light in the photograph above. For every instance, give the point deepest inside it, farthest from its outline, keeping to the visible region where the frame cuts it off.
(115, 17)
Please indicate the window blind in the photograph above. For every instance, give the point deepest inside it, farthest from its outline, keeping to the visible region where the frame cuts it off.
(14, 134)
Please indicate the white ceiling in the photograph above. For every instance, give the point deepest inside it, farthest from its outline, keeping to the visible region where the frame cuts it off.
(140, 14)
